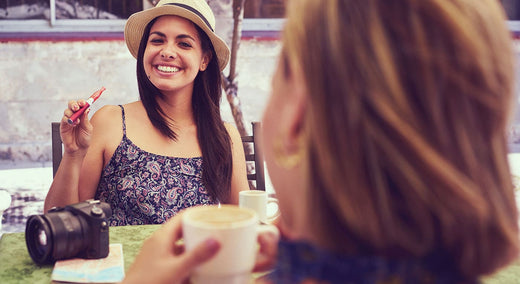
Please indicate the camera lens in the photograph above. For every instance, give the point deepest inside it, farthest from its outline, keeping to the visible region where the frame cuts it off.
(54, 236)
(38, 238)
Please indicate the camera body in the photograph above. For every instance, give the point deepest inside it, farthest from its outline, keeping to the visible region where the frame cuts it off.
(75, 231)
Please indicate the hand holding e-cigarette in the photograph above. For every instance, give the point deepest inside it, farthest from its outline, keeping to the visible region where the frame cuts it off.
(89, 102)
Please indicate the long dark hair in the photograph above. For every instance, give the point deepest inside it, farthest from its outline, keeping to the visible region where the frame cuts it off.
(212, 134)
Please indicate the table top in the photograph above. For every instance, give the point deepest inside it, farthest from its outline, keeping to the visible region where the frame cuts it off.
(16, 266)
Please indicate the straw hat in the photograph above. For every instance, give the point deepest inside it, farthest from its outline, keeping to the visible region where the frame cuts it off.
(197, 11)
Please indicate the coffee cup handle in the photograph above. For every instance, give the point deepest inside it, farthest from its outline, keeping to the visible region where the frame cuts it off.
(264, 228)
(273, 217)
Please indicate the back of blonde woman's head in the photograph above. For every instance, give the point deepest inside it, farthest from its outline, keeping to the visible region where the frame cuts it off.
(409, 102)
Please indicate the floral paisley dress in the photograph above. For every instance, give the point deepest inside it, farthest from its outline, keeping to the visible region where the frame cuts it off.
(146, 188)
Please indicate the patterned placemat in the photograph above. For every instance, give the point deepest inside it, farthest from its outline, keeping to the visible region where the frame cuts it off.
(24, 203)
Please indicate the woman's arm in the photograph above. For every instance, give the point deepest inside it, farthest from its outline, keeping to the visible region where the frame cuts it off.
(83, 158)
(76, 140)
(106, 136)
(239, 175)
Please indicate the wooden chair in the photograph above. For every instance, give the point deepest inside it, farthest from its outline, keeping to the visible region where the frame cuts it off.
(256, 157)
(57, 148)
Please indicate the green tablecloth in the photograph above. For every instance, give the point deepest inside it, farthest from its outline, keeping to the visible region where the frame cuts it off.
(508, 275)
(16, 266)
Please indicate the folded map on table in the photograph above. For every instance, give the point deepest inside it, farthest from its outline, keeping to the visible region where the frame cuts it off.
(105, 270)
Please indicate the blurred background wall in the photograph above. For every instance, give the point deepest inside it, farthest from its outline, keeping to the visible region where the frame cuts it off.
(55, 51)
(38, 78)
(44, 63)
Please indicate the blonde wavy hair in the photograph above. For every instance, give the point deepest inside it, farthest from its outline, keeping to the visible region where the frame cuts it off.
(406, 124)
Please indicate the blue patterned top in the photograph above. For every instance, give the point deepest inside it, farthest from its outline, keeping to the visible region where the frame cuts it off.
(146, 188)
(299, 261)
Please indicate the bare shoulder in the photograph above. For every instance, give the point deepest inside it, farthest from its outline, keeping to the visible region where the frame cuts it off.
(108, 127)
(107, 111)
(232, 131)
(107, 118)
(236, 139)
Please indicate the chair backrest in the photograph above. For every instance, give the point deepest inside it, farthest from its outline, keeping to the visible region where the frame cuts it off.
(57, 149)
(256, 157)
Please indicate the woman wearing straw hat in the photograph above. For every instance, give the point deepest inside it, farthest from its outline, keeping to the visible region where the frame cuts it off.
(169, 150)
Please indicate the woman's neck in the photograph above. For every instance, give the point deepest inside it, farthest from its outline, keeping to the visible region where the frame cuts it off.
(178, 108)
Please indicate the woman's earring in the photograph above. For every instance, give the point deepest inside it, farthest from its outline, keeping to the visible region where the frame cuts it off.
(284, 159)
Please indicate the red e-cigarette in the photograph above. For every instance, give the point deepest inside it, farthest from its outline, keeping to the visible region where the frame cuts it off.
(89, 102)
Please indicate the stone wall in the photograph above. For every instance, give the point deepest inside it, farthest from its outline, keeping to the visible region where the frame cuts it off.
(37, 78)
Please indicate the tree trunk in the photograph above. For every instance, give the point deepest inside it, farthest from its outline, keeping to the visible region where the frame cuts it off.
(231, 32)
(229, 14)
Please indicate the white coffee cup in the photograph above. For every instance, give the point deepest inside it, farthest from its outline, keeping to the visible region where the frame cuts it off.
(236, 229)
(258, 200)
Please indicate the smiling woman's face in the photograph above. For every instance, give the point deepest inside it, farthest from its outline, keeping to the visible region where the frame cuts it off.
(173, 55)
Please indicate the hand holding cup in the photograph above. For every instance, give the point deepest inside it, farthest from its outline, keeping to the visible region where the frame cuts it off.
(236, 230)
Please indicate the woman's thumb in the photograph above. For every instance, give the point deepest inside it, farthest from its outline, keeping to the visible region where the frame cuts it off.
(200, 254)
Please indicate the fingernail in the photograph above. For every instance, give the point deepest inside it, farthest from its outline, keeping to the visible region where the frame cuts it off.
(212, 245)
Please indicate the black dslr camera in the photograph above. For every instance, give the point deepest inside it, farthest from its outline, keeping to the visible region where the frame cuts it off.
(78, 230)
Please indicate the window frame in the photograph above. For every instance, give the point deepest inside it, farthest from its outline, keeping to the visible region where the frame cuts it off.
(53, 25)
(100, 28)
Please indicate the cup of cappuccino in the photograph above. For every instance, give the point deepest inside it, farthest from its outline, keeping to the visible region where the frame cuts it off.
(236, 230)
